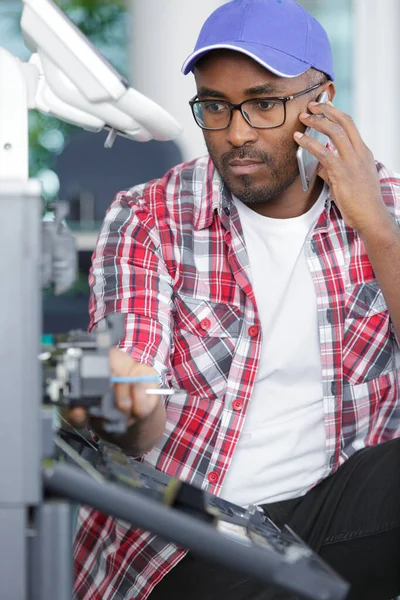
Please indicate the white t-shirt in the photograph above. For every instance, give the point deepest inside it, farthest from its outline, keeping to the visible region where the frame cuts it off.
(281, 450)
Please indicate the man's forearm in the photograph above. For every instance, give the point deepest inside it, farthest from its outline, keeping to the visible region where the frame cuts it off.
(382, 243)
(140, 437)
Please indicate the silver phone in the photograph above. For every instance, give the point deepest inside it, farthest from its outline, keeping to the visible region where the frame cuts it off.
(308, 163)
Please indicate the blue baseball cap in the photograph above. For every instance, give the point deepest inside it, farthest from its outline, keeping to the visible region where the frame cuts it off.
(278, 34)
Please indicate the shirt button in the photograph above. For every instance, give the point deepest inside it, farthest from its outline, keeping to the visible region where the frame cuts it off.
(253, 331)
(205, 324)
(237, 405)
(212, 477)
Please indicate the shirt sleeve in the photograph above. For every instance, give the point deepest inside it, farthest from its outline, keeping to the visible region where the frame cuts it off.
(390, 188)
(129, 276)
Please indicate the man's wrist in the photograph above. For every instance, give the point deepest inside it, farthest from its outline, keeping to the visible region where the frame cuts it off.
(379, 229)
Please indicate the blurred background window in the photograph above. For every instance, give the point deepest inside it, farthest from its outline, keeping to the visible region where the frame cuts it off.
(337, 19)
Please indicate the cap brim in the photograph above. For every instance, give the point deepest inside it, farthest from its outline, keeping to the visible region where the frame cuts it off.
(277, 62)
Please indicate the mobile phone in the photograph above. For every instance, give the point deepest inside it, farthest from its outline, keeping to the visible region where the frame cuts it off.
(308, 163)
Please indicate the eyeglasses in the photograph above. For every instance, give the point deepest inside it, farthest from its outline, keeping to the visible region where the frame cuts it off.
(260, 113)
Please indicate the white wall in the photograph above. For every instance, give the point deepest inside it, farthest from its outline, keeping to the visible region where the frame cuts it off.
(163, 33)
(376, 77)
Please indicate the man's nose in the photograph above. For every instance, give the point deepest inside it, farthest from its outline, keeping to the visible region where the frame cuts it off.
(240, 131)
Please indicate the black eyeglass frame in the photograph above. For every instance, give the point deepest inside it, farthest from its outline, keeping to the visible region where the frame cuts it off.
(232, 107)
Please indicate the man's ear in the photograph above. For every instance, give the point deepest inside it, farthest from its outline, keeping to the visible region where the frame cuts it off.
(331, 90)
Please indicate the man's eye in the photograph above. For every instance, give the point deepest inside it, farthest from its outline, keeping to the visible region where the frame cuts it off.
(214, 107)
(264, 105)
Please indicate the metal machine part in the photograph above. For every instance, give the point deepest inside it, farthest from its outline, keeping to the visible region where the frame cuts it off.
(294, 569)
(59, 253)
(77, 372)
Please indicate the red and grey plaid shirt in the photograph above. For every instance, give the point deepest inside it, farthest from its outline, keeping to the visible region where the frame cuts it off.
(171, 257)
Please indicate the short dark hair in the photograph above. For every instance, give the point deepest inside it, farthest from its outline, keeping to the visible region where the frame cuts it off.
(315, 76)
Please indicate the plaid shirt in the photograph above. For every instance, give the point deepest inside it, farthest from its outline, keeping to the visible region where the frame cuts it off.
(171, 257)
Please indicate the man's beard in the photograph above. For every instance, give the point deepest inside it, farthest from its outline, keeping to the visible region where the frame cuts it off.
(283, 170)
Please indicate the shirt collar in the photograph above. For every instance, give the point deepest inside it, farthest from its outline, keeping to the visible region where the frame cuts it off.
(330, 211)
(211, 196)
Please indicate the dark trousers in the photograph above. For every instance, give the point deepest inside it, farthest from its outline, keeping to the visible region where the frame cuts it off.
(352, 519)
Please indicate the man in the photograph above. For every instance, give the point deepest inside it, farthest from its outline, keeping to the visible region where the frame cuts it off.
(276, 310)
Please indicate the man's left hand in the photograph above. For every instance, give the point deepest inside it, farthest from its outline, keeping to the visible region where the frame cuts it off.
(350, 172)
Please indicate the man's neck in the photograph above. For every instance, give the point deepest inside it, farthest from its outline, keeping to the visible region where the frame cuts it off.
(293, 202)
